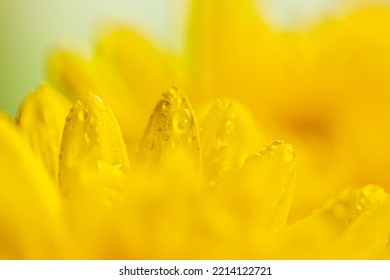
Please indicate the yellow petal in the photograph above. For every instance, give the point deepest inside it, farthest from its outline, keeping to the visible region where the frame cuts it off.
(349, 226)
(72, 74)
(6, 117)
(231, 52)
(229, 135)
(78, 76)
(172, 126)
(386, 254)
(369, 234)
(124, 102)
(92, 145)
(41, 118)
(263, 191)
(137, 61)
(30, 205)
(164, 209)
(93, 169)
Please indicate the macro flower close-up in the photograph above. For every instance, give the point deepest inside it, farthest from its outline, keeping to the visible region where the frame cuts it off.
(255, 142)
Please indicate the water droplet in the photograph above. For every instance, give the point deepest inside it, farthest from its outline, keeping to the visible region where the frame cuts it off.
(82, 114)
(275, 144)
(272, 149)
(87, 139)
(99, 104)
(166, 136)
(165, 105)
(118, 166)
(173, 90)
(288, 153)
(184, 121)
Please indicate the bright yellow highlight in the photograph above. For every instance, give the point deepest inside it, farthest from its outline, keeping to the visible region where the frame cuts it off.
(139, 169)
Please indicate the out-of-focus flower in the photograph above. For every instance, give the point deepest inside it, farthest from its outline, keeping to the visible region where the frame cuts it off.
(325, 90)
(195, 180)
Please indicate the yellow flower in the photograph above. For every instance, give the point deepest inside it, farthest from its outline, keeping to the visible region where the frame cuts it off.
(112, 177)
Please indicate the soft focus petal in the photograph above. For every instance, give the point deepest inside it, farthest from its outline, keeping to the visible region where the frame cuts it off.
(262, 193)
(353, 225)
(137, 62)
(165, 221)
(72, 74)
(229, 135)
(92, 144)
(339, 118)
(367, 237)
(78, 77)
(5, 117)
(357, 85)
(230, 48)
(41, 118)
(324, 90)
(30, 205)
(93, 168)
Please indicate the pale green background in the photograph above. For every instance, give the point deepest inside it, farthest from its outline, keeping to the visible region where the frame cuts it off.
(29, 28)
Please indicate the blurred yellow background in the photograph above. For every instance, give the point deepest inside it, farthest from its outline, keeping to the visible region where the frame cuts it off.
(28, 29)
(326, 91)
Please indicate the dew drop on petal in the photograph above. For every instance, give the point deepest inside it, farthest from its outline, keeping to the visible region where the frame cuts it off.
(98, 102)
(173, 90)
(184, 121)
(165, 105)
(172, 125)
(87, 139)
(180, 100)
(166, 136)
(82, 115)
(273, 166)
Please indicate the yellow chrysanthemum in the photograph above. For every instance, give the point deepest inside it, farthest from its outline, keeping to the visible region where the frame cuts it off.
(111, 176)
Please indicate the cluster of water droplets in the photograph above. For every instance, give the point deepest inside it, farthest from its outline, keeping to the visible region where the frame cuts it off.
(278, 148)
(352, 204)
(172, 124)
